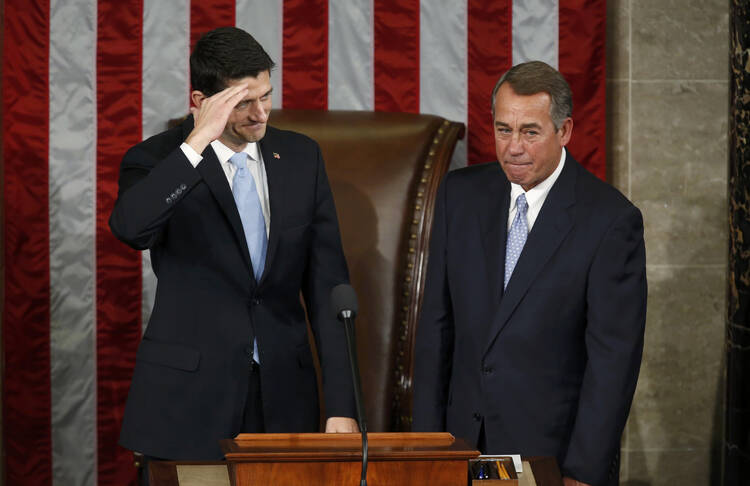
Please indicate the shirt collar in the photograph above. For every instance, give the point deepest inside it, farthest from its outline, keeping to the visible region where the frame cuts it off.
(223, 153)
(538, 193)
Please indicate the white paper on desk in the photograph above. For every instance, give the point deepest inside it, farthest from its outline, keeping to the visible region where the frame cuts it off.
(516, 459)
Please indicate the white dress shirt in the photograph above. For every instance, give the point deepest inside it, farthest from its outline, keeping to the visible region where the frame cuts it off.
(535, 196)
(254, 164)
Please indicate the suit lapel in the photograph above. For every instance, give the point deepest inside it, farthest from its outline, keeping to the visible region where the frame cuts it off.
(494, 231)
(275, 176)
(550, 229)
(216, 180)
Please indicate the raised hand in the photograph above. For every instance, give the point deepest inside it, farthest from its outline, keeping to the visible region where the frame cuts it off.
(211, 115)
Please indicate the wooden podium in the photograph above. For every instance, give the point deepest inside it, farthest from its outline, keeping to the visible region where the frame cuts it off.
(406, 459)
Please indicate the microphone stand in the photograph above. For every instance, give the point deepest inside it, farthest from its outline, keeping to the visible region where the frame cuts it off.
(348, 318)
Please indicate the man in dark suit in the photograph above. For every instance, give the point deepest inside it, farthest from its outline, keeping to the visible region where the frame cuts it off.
(531, 332)
(239, 219)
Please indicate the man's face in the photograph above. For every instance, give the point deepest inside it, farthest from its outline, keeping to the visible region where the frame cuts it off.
(526, 143)
(247, 122)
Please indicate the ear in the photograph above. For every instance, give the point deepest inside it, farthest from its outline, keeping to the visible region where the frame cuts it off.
(565, 131)
(197, 98)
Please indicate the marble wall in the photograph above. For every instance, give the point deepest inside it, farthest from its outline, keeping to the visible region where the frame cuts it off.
(667, 82)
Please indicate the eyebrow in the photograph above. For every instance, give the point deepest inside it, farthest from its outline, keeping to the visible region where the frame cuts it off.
(523, 127)
(259, 97)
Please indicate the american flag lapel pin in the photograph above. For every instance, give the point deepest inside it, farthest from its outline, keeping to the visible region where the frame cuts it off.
(276, 155)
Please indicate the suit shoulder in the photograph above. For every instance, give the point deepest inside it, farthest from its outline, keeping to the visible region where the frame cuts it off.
(597, 191)
(161, 144)
(601, 201)
(290, 137)
(473, 175)
(472, 186)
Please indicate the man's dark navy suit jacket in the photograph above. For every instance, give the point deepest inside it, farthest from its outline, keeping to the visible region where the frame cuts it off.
(191, 375)
(549, 365)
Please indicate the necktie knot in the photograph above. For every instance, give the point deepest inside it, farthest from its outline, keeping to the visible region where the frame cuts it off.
(521, 204)
(238, 160)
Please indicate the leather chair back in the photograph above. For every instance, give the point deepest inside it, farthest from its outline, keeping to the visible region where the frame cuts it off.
(384, 170)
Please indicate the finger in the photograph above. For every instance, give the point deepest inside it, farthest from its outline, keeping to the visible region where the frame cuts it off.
(239, 94)
(227, 98)
(229, 92)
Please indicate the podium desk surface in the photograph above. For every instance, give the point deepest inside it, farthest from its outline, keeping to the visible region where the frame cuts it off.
(216, 473)
(321, 447)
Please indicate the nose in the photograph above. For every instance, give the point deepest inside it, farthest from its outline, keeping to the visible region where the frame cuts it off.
(258, 113)
(516, 145)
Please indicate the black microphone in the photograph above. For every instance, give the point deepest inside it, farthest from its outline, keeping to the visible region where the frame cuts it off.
(344, 304)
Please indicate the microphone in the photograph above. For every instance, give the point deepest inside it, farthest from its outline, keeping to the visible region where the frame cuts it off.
(344, 304)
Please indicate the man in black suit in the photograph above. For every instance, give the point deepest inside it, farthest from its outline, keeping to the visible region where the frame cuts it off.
(531, 332)
(239, 219)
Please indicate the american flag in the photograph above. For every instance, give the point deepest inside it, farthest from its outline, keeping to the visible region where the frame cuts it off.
(84, 79)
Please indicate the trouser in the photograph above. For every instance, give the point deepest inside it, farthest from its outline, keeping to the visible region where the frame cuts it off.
(252, 418)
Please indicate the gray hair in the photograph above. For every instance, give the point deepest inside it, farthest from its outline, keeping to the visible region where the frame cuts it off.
(534, 77)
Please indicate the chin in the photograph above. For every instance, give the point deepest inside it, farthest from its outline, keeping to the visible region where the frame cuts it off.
(516, 174)
(255, 135)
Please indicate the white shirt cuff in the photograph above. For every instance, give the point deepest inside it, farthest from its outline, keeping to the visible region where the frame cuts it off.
(193, 156)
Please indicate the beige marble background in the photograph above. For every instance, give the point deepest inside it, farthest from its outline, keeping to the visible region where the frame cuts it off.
(667, 84)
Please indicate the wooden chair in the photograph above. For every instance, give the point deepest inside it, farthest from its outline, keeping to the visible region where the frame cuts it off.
(384, 170)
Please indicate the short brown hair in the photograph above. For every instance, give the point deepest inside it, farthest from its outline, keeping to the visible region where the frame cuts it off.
(534, 77)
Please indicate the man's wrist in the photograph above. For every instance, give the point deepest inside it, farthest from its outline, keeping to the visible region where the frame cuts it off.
(197, 142)
(193, 157)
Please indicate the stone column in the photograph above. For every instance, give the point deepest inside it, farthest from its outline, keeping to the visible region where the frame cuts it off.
(736, 470)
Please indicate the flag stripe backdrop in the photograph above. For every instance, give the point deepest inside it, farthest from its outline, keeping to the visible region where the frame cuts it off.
(396, 55)
(26, 313)
(118, 271)
(86, 79)
(72, 204)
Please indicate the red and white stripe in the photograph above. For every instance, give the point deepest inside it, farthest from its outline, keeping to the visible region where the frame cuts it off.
(85, 79)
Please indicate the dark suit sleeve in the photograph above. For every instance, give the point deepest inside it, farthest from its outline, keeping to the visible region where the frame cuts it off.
(327, 268)
(149, 191)
(616, 317)
(435, 332)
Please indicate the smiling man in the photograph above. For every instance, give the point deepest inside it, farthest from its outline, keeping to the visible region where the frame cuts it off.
(531, 332)
(239, 219)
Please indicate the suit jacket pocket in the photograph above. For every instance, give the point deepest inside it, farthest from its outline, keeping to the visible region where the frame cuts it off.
(171, 355)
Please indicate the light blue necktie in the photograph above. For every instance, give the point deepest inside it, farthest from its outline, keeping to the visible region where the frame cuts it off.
(519, 230)
(251, 213)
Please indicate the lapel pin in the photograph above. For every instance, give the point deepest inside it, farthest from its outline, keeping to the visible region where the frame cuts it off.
(276, 155)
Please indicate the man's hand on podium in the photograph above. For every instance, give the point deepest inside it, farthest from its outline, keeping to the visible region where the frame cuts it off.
(341, 425)
(573, 482)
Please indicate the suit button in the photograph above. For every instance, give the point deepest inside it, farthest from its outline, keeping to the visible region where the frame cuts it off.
(249, 351)
(168, 200)
(183, 186)
(178, 191)
(255, 301)
(477, 417)
(174, 196)
(487, 370)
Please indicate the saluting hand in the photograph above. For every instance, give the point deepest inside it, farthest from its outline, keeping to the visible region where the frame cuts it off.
(211, 115)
